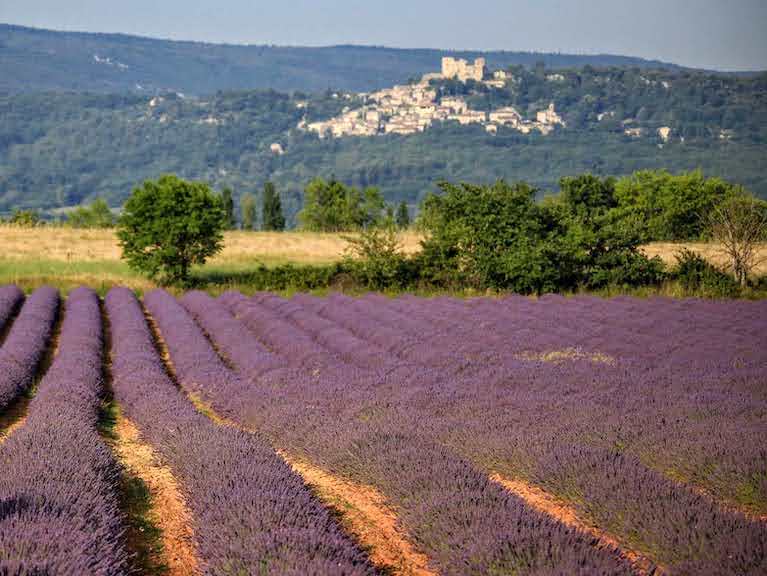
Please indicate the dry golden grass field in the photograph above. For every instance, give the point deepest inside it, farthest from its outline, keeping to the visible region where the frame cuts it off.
(71, 244)
(711, 252)
(67, 257)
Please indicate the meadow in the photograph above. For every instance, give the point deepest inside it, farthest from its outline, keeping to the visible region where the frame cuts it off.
(194, 434)
(69, 257)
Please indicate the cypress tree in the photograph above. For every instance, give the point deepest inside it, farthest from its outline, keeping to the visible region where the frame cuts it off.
(248, 211)
(272, 209)
(229, 219)
(403, 216)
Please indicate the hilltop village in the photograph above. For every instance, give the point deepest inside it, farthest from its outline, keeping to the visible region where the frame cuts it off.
(411, 108)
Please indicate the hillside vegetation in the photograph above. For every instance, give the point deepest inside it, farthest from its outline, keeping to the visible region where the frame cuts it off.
(57, 150)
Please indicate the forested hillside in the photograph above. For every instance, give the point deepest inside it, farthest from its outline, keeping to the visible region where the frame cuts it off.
(37, 60)
(58, 149)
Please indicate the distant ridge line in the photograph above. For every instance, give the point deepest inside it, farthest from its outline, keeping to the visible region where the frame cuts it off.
(41, 60)
(127, 35)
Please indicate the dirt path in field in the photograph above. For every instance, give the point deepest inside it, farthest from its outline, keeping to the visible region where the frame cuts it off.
(16, 414)
(168, 510)
(362, 509)
(544, 502)
(151, 496)
(364, 514)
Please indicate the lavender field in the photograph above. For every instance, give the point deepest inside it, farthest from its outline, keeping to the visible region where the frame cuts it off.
(370, 435)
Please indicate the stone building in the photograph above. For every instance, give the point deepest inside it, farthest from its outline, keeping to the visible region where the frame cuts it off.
(462, 70)
(507, 115)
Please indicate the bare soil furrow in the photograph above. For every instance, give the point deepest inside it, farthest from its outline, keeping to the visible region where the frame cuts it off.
(168, 510)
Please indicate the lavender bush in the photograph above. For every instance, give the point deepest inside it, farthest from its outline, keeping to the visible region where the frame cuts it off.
(25, 345)
(11, 298)
(58, 481)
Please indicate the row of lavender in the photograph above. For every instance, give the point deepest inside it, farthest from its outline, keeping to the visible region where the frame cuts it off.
(465, 523)
(59, 509)
(27, 340)
(454, 376)
(11, 298)
(598, 405)
(252, 513)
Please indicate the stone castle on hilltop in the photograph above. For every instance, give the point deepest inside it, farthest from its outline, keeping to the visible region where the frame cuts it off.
(462, 70)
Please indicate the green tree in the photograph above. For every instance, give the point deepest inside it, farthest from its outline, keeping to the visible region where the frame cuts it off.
(97, 215)
(663, 206)
(228, 203)
(330, 206)
(609, 243)
(170, 224)
(497, 237)
(248, 211)
(403, 216)
(273, 219)
(371, 209)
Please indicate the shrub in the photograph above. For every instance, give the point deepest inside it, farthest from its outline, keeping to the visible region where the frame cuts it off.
(375, 260)
(25, 218)
(697, 275)
(97, 215)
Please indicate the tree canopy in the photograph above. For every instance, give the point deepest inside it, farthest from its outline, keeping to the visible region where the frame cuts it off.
(331, 206)
(498, 236)
(170, 224)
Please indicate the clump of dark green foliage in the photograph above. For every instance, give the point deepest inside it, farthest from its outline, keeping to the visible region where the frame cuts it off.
(228, 203)
(170, 224)
(375, 260)
(331, 206)
(25, 218)
(499, 237)
(696, 275)
(96, 215)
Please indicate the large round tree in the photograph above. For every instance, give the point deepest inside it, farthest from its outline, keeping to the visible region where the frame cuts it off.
(170, 224)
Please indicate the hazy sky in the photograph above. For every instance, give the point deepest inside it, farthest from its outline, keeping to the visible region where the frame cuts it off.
(720, 34)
